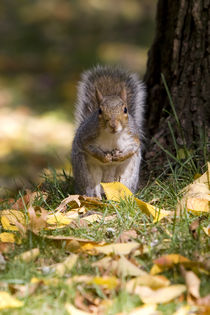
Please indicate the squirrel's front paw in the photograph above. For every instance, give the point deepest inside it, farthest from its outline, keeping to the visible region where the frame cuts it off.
(116, 155)
(107, 158)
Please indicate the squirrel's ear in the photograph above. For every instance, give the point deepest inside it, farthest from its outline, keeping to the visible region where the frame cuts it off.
(99, 96)
(123, 94)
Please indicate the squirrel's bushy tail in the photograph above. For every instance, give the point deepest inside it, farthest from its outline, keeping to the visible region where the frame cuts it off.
(110, 81)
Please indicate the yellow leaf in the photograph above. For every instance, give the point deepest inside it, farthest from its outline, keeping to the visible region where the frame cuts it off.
(192, 282)
(49, 281)
(58, 219)
(29, 256)
(117, 248)
(157, 213)
(185, 310)
(75, 311)
(66, 265)
(167, 261)
(116, 191)
(7, 237)
(93, 218)
(8, 301)
(10, 217)
(196, 195)
(197, 205)
(106, 282)
(146, 309)
(159, 296)
(207, 230)
(154, 282)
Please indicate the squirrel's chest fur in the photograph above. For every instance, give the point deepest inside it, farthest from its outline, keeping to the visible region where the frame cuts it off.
(108, 141)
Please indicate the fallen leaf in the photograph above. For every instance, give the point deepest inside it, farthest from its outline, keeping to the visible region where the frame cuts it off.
(146, 309)
(75, 311)
(65, 266)
(116, 191)
(194, 228)
(167, 261)
(27, 199)
(106, 282)
(159, 296)
(9, 238)
(8, 301)
(26, 290)
(196, 195)
(71, 198)
(6, 247)
(204, 300)
(121, 266)
(29, 255)
(37, 219)
(10, 217)
(207, 230)
(154, 282)
(93, 218)
(117, 248)
(184, 310)
(58, 219)
(126, 236)
(192, 282)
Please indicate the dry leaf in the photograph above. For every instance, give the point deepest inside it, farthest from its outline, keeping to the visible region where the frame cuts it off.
(207, 230)
(58, 220)
(192, 282)
(9, 218)
(127, 236)
(9, 238)
(75, 311)
(8, 301)
(194, 228)
(167, 261)
(106, 282)
(71, 198)
(121, 266)
(27, 199)
(117, 248)
(146, 309)
(159, 296)
(154, 282)
(196, 195)
(116, 191)
(66, 265)
(28, 256)
(93, 218)
(38, 219)
(184, 310)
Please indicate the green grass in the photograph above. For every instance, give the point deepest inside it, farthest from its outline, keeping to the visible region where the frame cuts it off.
(161, 238)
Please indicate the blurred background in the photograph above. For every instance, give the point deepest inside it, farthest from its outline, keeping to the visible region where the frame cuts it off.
(45, 45)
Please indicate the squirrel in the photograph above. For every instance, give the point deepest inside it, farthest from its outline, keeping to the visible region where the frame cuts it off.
(107, 145)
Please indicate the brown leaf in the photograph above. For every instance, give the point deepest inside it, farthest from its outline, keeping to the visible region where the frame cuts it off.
(38, 219)
(194, 228)
(27, 199)
(126, 236)
(192, 282)
(73, 199)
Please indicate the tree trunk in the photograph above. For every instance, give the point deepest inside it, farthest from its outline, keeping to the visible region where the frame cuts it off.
(181, 52)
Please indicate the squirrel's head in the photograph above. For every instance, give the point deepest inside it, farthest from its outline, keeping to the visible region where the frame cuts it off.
(112, 112)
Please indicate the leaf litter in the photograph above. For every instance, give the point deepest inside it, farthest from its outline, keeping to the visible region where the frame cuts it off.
(118, 264)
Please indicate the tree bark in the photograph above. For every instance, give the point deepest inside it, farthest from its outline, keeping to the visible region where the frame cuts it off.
(181, 52)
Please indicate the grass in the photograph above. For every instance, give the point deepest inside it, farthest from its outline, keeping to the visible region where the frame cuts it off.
(161, 238)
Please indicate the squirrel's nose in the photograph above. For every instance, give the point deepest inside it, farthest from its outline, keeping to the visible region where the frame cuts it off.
(113, 124)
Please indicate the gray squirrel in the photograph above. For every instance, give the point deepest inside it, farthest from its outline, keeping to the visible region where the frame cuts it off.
(108, 140)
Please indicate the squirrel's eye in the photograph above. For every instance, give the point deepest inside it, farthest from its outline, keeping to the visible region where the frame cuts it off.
(125, 110)
(100, 111)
